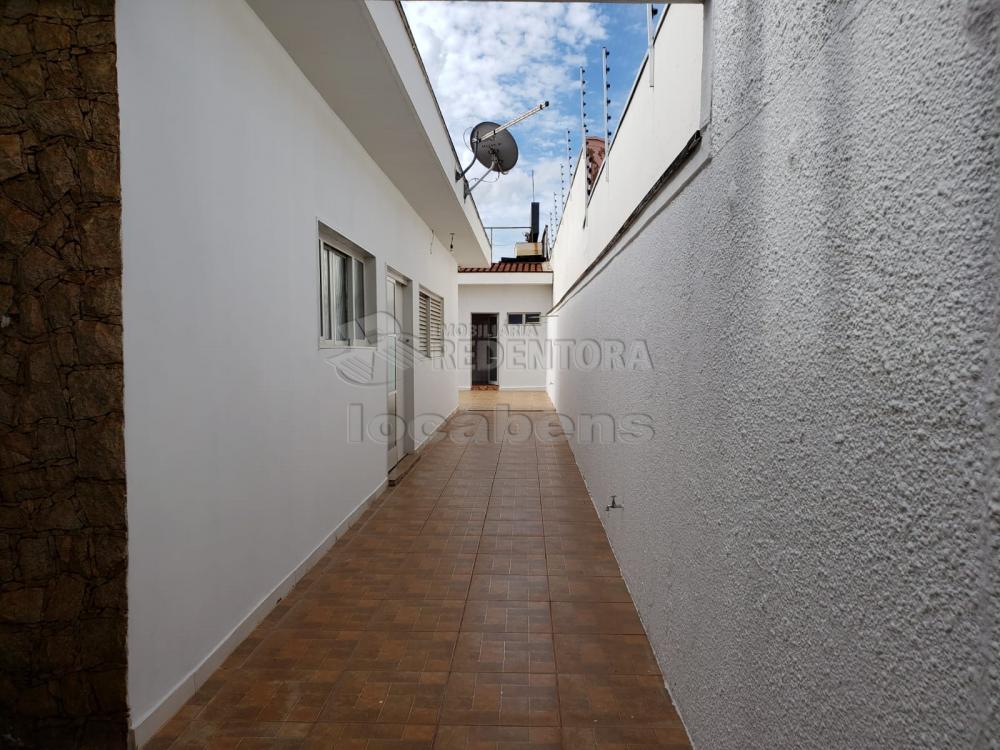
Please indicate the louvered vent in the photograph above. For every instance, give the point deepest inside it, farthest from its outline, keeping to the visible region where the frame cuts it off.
(436, 327)
(423, 324)
(430, 327)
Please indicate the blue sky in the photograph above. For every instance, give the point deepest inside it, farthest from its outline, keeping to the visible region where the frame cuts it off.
(492, 61)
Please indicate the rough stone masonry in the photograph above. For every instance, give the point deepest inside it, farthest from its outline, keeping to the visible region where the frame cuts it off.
(62, 463)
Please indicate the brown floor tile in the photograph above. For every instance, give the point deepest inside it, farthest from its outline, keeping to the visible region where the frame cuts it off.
(596, 617)
(516, 492)
(424, 503)
(375, 544)
(466, 514)
(577, 546)
(620, 738)
(504, 652)
(498, 738)
(552, 473)
(272, 743)
(363, 697)
(615, 700)
(406, 615)
(452, 528)
(507, 617)
(587, 653)
(586, 589)
(574, 565)
(478, 468)
(426, 479)
(448, 545)
(570, 514)
(495, 699)
(515, 502)
(467, 488)
(223, 734)
(212, 686)
(441, 617)
(464, 501)
(403, 512)
(515, 472)
(393, 526)
(590, 528)
(329, 651)
(238, 707)
(512, 528)
(514, 486)
(509, 588)
(514, 513)
(160, 742)
(330, 613)
(403, 562)
(297, 702)
(403, 651)
(552, 483)
(554, 497)
(512, 400)
(170, 732)
(441, 564)
(510, 565)
(242, 652)
(326, 736)
(512, 545)
(393, 586)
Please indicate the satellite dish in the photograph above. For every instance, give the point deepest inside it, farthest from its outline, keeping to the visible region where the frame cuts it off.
(494, 147)
(497, 153)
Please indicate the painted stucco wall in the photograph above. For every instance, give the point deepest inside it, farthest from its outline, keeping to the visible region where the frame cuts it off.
(658, 121)
(522, 349)
(811, 535)
(240, 460)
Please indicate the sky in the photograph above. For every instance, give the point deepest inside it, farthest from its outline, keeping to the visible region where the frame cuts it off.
(493, 61)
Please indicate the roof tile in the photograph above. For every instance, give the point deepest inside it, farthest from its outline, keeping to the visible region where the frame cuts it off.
(507, 267)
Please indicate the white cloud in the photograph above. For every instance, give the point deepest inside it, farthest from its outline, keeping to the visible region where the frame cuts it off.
(492, 61)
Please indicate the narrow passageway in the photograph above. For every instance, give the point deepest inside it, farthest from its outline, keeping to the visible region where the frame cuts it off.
(476, 605)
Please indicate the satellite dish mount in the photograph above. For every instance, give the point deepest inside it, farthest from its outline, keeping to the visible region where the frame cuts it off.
(494, 147)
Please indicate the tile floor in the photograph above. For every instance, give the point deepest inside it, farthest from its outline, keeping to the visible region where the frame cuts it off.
(475, 606)
(514, 400)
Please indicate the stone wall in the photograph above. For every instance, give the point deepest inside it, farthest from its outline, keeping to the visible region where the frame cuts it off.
(62, 478)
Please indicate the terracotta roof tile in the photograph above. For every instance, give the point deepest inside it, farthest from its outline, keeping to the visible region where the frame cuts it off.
(507, 267)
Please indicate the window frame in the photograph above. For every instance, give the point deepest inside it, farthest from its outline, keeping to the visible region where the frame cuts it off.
(524, 319)
(330, 252)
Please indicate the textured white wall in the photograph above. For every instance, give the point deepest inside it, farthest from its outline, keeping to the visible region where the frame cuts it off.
(812, 534)
(520, 365)
(236, 427)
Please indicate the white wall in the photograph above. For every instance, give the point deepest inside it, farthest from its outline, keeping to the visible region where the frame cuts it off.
(236, 428)
(811, 536)
(657, 123)
(521, 348)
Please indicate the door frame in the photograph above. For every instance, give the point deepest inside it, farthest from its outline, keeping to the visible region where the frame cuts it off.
(496, 340)
(403, 339)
